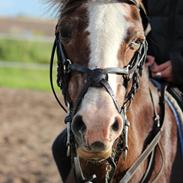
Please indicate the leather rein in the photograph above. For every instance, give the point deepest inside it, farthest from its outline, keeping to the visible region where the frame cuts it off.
(99, 78)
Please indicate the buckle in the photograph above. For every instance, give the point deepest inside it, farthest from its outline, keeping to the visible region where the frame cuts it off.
(66, 66)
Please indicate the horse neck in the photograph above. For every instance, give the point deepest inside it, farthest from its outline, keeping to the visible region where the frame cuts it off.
(140, 116)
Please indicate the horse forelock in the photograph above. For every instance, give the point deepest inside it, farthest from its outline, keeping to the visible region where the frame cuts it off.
(61, 4)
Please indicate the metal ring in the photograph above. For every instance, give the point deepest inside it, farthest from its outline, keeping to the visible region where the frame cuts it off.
(158, 74)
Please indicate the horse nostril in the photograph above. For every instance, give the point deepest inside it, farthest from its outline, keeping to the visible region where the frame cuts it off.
(78, 125)
(115, 126)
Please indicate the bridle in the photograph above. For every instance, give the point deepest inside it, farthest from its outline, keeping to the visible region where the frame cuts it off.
(97, 78)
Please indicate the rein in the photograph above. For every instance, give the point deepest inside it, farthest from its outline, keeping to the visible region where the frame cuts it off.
(99, 78)
(150, 149)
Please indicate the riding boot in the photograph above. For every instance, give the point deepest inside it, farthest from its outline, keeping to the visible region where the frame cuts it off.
(59, 151)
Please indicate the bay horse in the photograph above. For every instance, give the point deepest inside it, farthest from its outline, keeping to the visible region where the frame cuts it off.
(118, 127)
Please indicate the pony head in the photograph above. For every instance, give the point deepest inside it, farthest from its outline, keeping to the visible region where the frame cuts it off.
(97, 35)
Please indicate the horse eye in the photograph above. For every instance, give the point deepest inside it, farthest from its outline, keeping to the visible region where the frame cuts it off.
(134, 45)
(66, 33)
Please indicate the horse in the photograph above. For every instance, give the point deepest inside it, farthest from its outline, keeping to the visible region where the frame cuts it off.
(119, 128)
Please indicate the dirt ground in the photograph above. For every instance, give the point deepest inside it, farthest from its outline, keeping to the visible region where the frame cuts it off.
(29, 122)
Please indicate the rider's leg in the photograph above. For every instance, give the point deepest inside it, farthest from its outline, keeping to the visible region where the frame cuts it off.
(59, 151)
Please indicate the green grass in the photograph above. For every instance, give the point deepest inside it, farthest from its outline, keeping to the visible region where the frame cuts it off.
(25, 51)
(25, 78)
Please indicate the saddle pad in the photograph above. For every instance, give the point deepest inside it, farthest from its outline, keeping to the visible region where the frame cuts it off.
(172, 103)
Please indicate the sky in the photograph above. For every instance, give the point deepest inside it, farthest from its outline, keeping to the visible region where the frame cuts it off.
(33, 8)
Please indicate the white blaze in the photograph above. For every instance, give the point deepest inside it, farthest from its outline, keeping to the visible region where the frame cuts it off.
(107, 30)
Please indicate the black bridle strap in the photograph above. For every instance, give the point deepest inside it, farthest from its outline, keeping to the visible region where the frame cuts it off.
(108, 70)
(99, 81)
(149, 166)
(111, 93)
(65, 67)
(99, 77)
(51, 76)
(80, 97)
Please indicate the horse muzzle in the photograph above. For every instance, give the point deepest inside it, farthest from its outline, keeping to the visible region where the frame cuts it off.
(94, 155)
